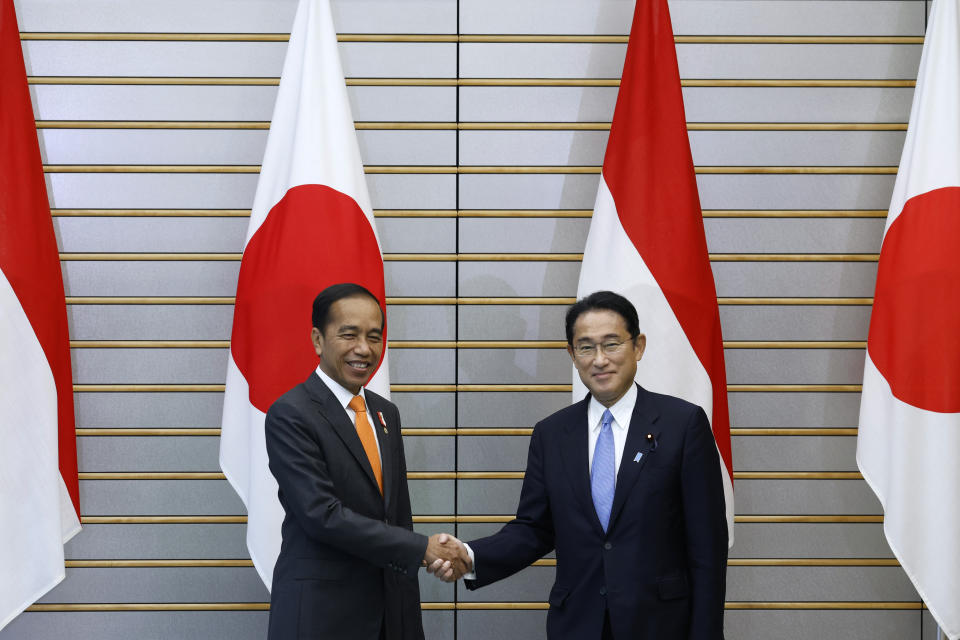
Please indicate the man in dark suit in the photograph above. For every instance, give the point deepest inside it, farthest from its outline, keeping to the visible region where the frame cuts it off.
(626, 486)
(349, 558)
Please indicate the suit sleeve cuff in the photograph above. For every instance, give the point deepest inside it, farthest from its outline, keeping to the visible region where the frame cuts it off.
(472, 575)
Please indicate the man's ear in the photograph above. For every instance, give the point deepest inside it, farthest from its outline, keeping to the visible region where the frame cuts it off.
(640, 344)
(570, 352)
(317, 339)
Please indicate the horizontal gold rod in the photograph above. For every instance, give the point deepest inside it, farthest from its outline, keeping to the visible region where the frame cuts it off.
(543, 562)
(460, 82)
(474, 519)
(443, 388)
(119, 431)
(163, 519)
(463, 344)
(471, 213)
(461, 606)
(113, 36)
(475, 301)
(459, 475)
(468, 257)
(465, 169)
(461, 431)
(830, 431)
(263, 125)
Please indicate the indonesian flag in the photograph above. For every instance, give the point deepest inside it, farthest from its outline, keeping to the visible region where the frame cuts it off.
(311, 227)
(646, 239)
(39, 493)
(908, 447)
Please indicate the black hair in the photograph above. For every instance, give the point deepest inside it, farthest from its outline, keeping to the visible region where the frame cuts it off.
(605, 300)
(326, 298)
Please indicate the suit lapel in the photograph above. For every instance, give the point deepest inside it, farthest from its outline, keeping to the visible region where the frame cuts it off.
(385, 435)
(333, 412)
(641, 423)
(575, 452)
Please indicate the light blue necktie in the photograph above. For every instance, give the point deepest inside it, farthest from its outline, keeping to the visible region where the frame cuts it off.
(603, 476)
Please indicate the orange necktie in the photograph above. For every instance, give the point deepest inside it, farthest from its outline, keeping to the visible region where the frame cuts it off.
(369, 441)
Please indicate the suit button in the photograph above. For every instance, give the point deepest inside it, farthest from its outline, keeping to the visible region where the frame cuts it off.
(607, 546)
(603, 591)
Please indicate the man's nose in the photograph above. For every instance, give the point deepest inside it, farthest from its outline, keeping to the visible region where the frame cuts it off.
(600, 357)
(362, 346)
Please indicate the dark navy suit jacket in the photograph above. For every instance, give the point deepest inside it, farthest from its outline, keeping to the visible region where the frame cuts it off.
(660, 569)
(349, 559)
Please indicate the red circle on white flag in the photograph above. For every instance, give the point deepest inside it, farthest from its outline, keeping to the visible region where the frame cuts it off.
(915, 326)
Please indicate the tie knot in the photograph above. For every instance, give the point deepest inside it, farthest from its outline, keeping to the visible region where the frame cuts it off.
(606, 419)
(356, 403)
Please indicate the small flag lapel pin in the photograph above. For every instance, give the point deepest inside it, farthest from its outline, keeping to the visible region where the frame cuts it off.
(639, 455)
(382, 421)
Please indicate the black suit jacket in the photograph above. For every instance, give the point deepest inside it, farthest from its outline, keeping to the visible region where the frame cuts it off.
(660, 569)
(349, 558)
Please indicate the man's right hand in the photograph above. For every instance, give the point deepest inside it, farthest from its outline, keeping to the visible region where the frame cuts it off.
(446, 556)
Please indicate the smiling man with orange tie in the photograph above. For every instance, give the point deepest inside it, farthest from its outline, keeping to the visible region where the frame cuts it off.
(349, 558)
(626, 486)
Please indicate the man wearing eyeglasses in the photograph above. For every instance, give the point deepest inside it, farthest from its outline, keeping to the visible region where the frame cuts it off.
(626, 486)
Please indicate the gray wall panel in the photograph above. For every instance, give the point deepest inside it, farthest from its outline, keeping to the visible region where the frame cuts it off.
(787, 497)
(794, 366)
(548, 104)
(518, 278)
(173, 146)
(148, 366)
(795, 191)
(426, 410)
(785, 17)
(511, 322)
(809, 540)
(438, 624)
(776, 61)
(182, 410)
(488, 497)
(422, 366)
(168, 584)
(142, 278)
(232, 59)
(151, 190)
(256, 16)
(417, 235)
(819, 583)
(523, 235)
(794, 235)
(420, 278)
(430, 453)
(518, 191)
(158, 542)
(158, 498)
(792, 322)
(83, 234)
(501, 625)
(802, 279)
(150, 322)
(148, 453)
(433, 590)
(794, 410)
(421, 322)
(149, 625)
(514, 366)
(793, 453)
(529, 585)
(140, 102)
(432, 497)
(486, 453)
(508, 410)
(802, 625)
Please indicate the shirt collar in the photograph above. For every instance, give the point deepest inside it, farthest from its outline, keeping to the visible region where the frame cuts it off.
(343, 395)
(622, 410)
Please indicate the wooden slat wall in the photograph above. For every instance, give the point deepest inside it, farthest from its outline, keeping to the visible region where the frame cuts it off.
(483, 126)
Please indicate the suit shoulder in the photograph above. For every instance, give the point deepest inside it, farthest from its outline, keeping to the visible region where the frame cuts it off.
(557, 420)
(292, 399)
(376, 398)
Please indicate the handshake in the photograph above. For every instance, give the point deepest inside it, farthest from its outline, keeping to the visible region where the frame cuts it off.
(447, 558)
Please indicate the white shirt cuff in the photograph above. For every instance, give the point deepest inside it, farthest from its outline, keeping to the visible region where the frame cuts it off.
(473, 562)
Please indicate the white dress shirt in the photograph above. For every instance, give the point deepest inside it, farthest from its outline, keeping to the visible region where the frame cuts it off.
(344, 396)
(622, 411)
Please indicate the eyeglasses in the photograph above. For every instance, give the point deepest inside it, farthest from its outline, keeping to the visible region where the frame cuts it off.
(590, 350)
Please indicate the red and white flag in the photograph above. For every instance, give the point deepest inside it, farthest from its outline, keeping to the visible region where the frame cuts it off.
(311, 226)
(908, 446)
(39, 494)
(646, 239)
